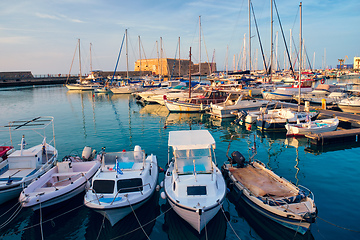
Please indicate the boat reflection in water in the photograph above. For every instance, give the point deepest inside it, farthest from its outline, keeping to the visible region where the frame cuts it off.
(263, 226)
(128, 228)
(178, 228)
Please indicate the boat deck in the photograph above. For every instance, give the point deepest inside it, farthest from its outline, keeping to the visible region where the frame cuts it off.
(261, 183)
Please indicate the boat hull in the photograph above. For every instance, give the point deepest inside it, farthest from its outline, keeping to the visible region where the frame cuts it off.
(197, 219)
(176, 106)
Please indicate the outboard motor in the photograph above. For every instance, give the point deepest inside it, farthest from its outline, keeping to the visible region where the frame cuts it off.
(86, 153)
(238, 158)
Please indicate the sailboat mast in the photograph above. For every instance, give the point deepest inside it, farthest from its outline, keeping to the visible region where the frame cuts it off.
(127, 55)
(249, 36)
(272, 45)
(91, 69)
(140, 58)
(300, 61)
(80, 60)
(179, 59)
(190, 73)
(199, 46)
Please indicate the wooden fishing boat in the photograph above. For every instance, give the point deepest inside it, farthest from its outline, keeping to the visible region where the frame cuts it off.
(269, 194)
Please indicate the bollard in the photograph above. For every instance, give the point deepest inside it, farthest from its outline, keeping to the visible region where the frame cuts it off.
(323, 104)
(307, 106)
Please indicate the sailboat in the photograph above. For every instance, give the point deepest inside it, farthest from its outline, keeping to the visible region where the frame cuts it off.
(125, 87)
(83, 84)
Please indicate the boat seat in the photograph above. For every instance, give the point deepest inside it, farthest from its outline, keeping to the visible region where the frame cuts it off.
(190, 168)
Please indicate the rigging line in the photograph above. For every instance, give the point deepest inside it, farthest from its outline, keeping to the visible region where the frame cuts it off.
(207, 55)
(283, 35)
(117, 62)
(137, 219)
(67, 79)
(307, 57)
(258, 34)
(227, 220)
(351, 230)
(101, 227)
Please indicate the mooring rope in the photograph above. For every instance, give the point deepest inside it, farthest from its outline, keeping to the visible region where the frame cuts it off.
(16, 212)
(227, 220)
(101, 227)
(137, 218)
(351, 230)
(41, 229)
(143, 224)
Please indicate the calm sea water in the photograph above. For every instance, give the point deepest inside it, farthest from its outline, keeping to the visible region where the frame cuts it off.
(118, 122)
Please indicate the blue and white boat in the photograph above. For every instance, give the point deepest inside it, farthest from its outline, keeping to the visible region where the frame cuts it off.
(22, 166)
(270, 195)
(124, 182)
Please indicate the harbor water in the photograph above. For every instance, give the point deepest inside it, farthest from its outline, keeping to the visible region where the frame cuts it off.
(118, 122)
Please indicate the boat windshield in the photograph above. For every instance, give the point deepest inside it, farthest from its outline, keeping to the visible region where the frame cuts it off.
(193, 160)
(126, 160)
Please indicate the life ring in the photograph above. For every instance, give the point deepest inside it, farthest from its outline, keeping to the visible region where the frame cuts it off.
(322, 81)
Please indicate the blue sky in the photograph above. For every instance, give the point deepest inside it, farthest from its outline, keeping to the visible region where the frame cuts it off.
(41, 35)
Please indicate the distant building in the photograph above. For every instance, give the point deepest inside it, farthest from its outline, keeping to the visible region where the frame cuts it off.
(356, 62)
(172, 67)
(345, 66)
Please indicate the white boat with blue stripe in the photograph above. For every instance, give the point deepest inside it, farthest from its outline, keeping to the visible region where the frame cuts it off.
(193, 184)
(124, 182)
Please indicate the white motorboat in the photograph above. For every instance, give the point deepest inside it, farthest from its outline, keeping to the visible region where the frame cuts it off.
(269, 194)
(276, 119)
(24, 165)
(64, 181)
(235, 103)
(287, 93)
(126, 88)
(317, 126)
(124, 182)
(193, 184)
(351, 104)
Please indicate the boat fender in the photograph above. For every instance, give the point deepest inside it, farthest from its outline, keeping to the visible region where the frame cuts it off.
(88, 185)
(238, 158)
(163, 195)
(86, 153)
(162, 184)
(158, 188)
(93, 154)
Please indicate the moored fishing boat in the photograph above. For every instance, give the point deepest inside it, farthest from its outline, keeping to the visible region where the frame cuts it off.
(317, 126)
(124, 182)
(64, 181)
(269, 194)
(193, 184)
(24, 165)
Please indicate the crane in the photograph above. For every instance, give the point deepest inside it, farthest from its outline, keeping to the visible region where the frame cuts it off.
(342, 60)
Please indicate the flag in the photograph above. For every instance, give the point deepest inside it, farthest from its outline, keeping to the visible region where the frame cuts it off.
(118, 170)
